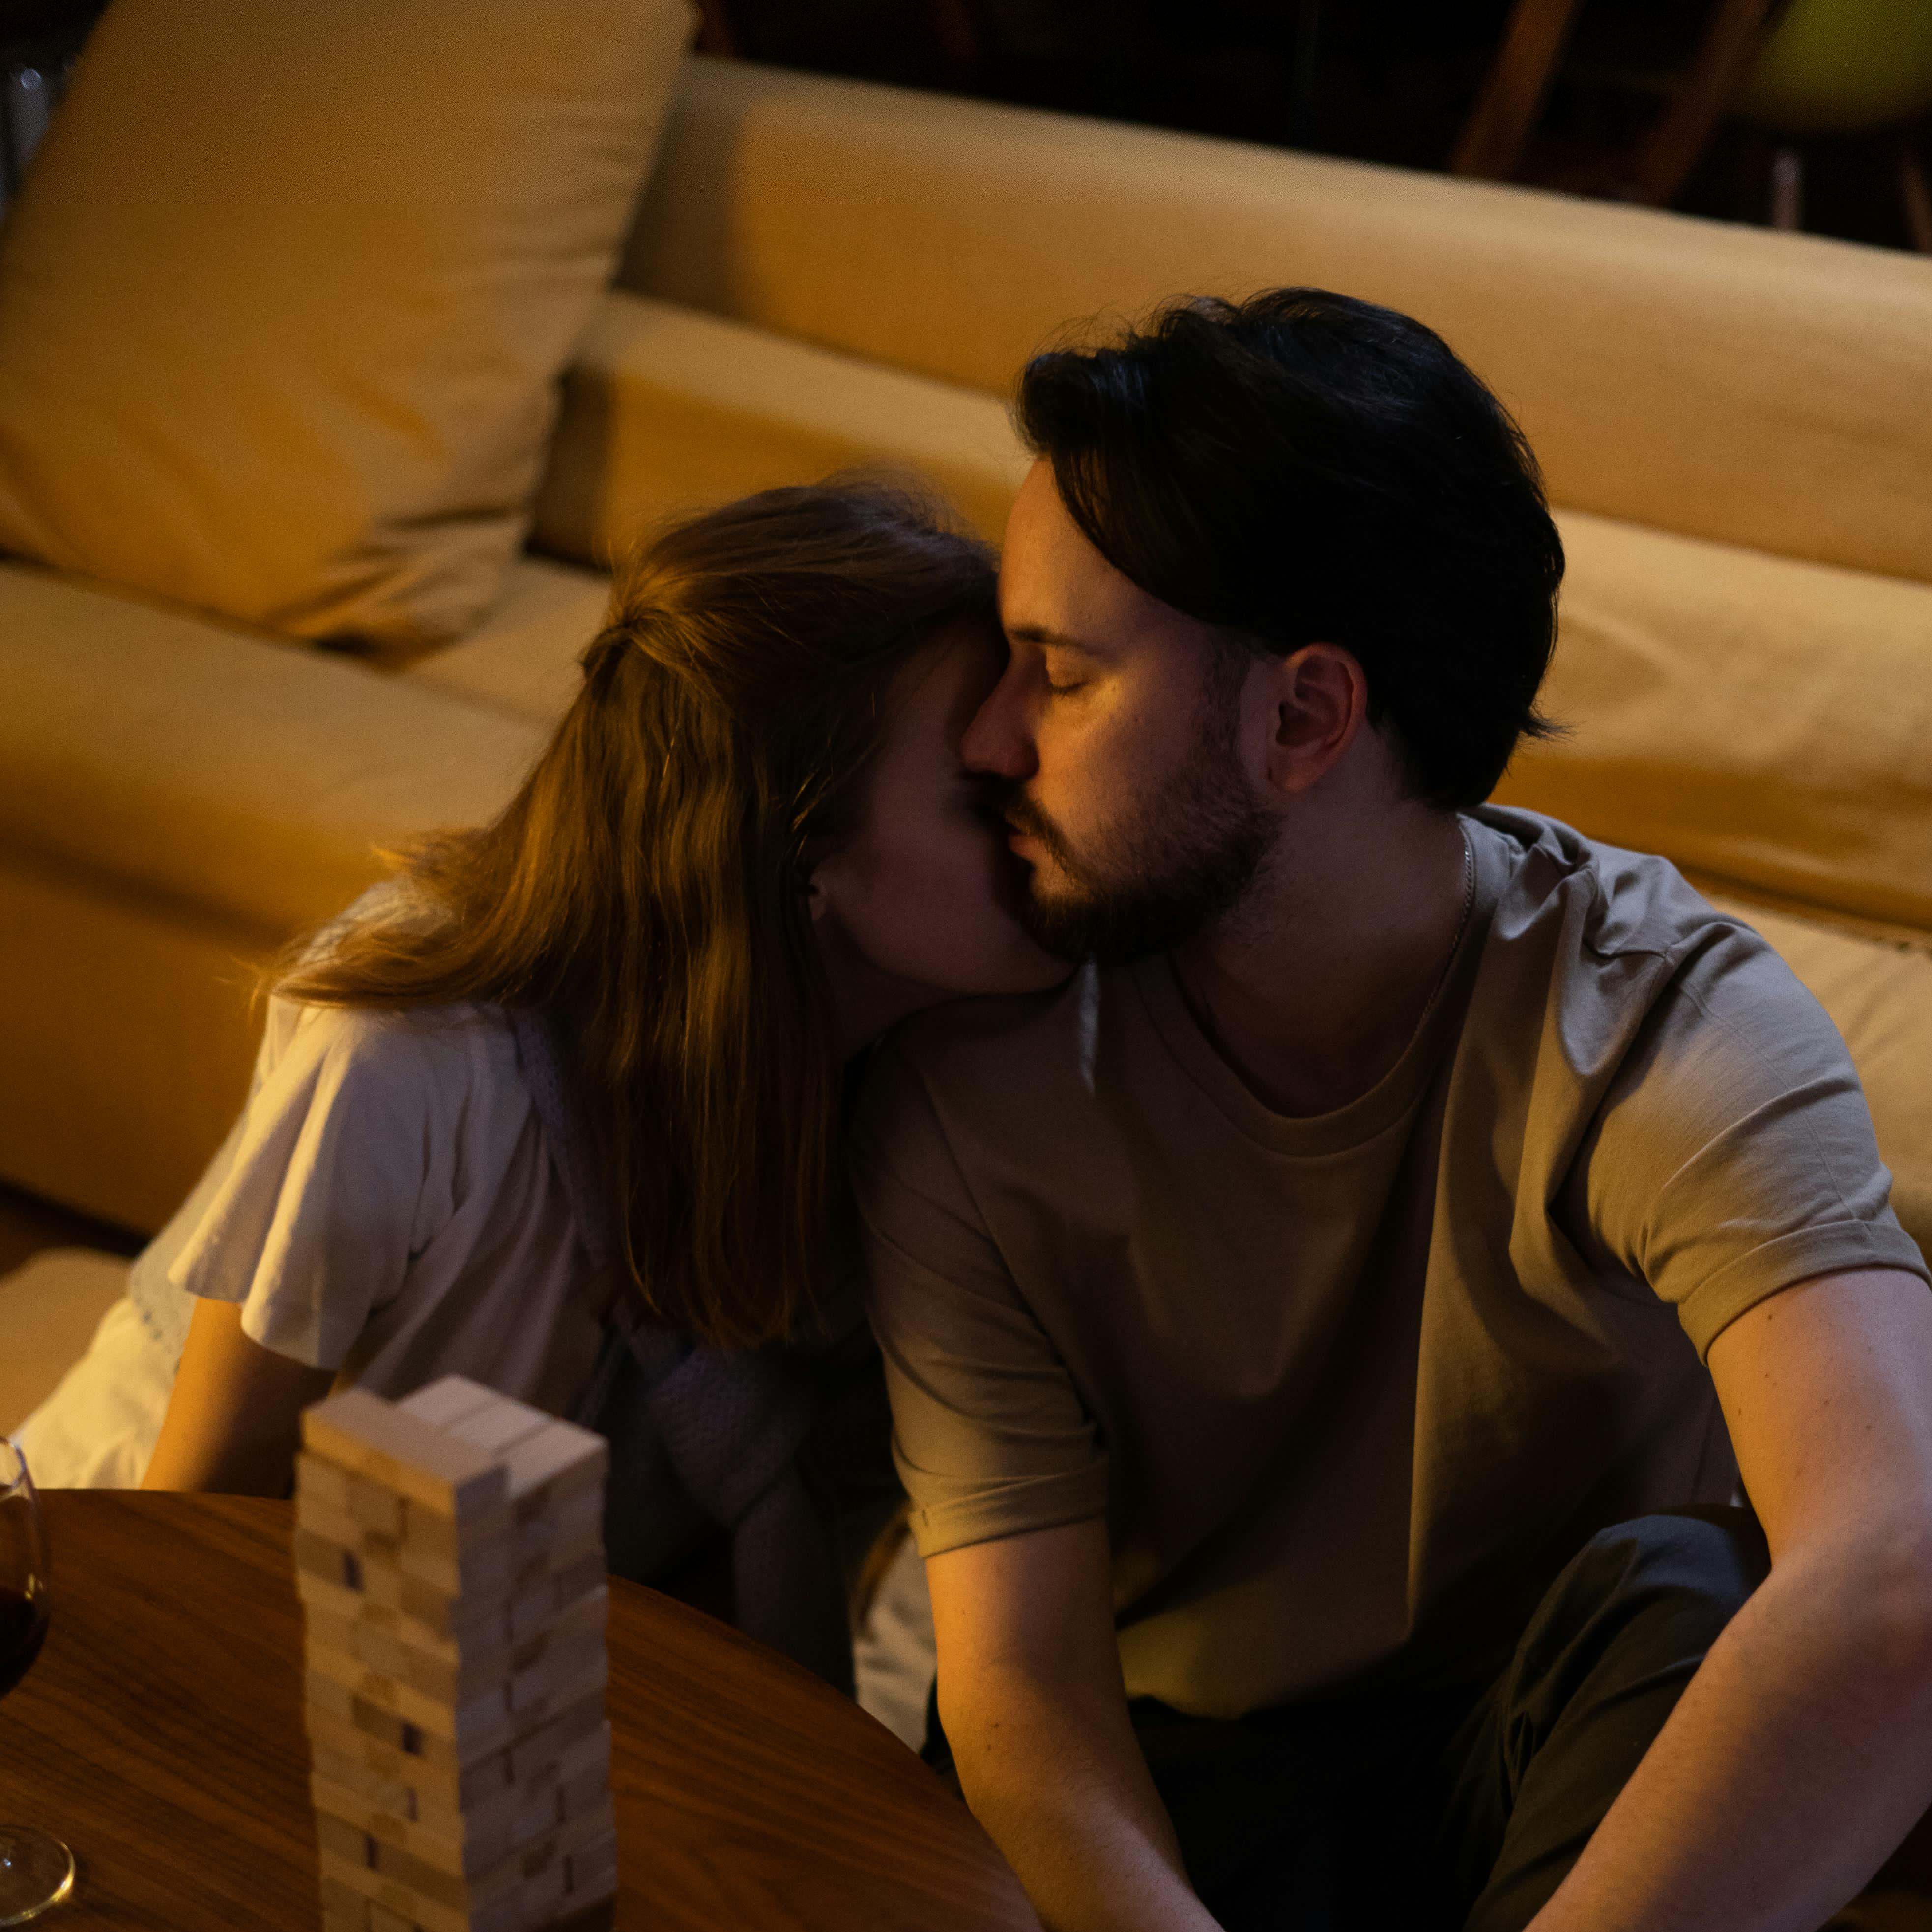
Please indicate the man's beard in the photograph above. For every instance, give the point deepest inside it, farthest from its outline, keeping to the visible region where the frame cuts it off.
(1182, 858)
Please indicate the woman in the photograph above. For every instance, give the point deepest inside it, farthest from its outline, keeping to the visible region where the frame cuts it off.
(558, 1108)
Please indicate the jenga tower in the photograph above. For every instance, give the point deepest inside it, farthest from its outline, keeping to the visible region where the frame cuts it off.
(449, 1551)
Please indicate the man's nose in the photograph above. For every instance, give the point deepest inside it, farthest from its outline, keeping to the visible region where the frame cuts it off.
(999, 740)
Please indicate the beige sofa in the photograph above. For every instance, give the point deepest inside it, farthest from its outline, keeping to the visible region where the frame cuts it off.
(1734, 423)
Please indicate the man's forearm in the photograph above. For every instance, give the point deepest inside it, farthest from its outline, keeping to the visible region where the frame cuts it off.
(1797, 1759)
(1059, 1783)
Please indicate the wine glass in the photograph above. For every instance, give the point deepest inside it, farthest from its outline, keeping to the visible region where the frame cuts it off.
(36, 1869)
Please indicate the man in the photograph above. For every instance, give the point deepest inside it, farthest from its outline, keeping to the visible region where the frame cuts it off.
(1320, 1335)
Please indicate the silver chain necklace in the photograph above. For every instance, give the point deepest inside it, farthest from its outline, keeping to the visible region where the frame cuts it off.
(1462, 920)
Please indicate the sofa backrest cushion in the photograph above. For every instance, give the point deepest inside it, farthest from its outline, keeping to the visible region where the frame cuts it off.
(667, 409)
(283, 300)
(1762, 389)
(1756, 719)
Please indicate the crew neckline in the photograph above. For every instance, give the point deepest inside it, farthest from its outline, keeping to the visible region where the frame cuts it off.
(1394, 1096)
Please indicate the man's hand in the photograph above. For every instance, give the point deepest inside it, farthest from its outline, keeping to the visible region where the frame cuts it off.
(1031, 1697)
(1801, 1753)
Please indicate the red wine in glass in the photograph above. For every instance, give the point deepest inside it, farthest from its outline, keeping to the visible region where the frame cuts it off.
(36, 1869)
(23, 1629)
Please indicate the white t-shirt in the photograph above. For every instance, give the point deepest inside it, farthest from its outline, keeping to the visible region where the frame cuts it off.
(386, 1206)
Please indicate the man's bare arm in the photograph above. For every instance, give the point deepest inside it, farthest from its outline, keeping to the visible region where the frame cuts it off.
(1031, 1697)
(1801, 1753)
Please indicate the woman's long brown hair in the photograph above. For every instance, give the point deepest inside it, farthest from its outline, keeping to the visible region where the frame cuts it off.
(645, 888)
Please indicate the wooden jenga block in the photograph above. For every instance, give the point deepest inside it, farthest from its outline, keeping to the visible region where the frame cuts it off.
(546, 1744)
(498, 1426)
(551, 1462)
(450, 1561)
(541, 1899)
(331, 1562)
(471, 1849)
(575, 1575)
(560, 1665)
(375, 1508)
(324, 1693)
(428, 1915)
(346, 1768)
(327, 1482)
(587, 1791)
(320, 1517)
(381, 1441)
(440, 1785)
(447, 1400)
(486, 1569)
(332, 1599)
(591, 1871)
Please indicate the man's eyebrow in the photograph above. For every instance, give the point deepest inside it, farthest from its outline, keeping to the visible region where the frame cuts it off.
(1040, 633)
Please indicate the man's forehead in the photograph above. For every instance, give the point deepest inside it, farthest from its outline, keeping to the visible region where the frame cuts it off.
(1054, 587)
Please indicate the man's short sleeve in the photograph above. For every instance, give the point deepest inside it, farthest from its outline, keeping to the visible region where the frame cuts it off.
(990, 1434)
(1734, 1155)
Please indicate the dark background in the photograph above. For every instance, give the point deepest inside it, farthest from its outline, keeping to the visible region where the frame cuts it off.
(1381, 80)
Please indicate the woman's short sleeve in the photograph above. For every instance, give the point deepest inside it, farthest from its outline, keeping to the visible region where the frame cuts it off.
(332, 1180)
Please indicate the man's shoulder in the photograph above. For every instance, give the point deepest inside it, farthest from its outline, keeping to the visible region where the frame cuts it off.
(1613, 901)
(1614, 927)
(1629, 951)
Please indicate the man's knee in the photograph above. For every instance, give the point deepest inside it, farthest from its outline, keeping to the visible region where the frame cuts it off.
(1643, 1600)
(1620, 1633)
(1695, 1567)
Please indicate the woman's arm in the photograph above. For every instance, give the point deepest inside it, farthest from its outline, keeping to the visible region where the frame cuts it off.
(233, 1420)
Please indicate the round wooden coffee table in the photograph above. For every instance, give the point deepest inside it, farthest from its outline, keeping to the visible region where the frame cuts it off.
(161, 1736)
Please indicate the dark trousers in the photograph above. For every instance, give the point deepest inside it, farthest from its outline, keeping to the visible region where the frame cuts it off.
(1461, 1808)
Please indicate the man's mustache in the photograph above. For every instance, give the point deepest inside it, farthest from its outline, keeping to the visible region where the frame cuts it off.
(1008, 801)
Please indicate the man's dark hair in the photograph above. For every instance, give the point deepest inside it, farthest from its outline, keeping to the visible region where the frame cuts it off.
(1302, 466)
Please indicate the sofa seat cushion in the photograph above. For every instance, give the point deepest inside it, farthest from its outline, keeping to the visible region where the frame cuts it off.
(1754, 718)
(667, 409)
(177, 761)
(50, 1306)
(1878, 994)
(285, 299)
(524, 660)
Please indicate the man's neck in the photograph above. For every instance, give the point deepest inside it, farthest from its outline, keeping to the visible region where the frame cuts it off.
(1312, 988)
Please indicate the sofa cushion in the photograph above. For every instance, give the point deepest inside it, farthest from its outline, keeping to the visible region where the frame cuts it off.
(193, 765)
(523, 658)
(667, 408)
(1757, 719)
(283, 303)
(1879, 997)
(49, 1308)
(1697, 376)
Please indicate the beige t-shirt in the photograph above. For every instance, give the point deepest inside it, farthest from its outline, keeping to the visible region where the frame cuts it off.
(1350, 1389)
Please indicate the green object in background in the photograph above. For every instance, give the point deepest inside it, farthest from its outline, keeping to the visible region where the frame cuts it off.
(1837, 66)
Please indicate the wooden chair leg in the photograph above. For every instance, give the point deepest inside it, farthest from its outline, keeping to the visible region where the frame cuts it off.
(1498, 128)
(715, 35)
(957, 31)
(1678, 142)
(1916, 194)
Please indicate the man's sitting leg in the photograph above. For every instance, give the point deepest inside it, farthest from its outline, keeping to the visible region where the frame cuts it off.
(1530, 1774)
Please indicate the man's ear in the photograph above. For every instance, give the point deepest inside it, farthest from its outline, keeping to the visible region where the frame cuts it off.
(1318, 702)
